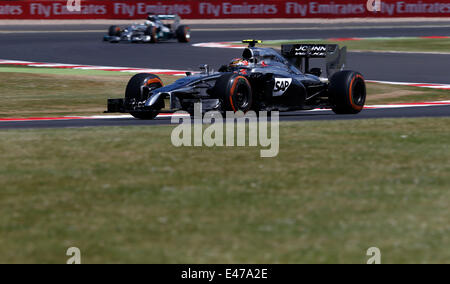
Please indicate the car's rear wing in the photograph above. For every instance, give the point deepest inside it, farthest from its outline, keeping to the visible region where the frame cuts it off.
(168, 17)
(335, 57)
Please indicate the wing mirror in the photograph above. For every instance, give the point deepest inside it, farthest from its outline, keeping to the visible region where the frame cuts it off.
(206, 69)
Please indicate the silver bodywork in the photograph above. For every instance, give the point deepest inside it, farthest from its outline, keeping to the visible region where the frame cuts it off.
(137, 31)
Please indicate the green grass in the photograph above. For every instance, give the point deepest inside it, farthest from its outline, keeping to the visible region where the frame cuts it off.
(37, 92)
(382, 44)
(126, 195)
(387, 94)
(31, 92)
(61, 71)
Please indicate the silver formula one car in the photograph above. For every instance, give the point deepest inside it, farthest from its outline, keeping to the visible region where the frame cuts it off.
(261, 80)
(155, 28)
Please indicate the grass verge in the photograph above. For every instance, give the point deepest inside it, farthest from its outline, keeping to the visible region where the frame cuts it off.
(127, 195)
(32, 92)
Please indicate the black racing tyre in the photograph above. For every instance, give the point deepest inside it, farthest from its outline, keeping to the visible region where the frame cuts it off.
(151, 31)
(235, 92)
(183, 33)
(347, 92)
(138, 89)
(114, 31)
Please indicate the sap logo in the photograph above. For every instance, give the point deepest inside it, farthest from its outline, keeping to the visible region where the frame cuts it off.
(281, 85)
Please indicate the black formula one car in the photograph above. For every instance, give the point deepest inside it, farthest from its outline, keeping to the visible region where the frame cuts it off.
(155, 28)
(261, 80)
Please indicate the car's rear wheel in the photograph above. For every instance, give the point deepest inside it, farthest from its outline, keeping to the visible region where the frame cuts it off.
(138, 90)
(151, 31)
(347, 92)
(235, 92)
(183, 33)
(114, 31)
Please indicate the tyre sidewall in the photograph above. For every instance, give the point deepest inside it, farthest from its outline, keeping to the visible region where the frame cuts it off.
(151, 31)
(114, 31)
(135, 86)
(344, 87)
(226, 89)
(183, 33)
(135, 90)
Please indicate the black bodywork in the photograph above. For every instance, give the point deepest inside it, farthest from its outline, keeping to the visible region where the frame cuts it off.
(279, 82)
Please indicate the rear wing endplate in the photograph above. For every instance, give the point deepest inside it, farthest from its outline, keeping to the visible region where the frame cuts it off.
(335, 57)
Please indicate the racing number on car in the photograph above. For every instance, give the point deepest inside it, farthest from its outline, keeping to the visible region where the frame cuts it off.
(281, 85)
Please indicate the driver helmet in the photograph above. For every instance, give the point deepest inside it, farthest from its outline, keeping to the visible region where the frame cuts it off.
(148, 23)
(238, 62)
(151, 18)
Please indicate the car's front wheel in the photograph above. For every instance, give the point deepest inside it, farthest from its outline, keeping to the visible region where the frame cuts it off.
(114, 31)
(347, 92)
(183, 33)
(138, 91)
(152, 32)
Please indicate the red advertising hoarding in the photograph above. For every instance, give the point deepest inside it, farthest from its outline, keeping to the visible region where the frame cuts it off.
(211, 9)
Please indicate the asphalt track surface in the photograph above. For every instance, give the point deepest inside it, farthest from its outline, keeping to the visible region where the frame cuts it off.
(82, 44)
(410, 112)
